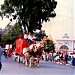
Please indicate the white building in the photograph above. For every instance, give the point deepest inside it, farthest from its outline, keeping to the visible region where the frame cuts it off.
(62, 27)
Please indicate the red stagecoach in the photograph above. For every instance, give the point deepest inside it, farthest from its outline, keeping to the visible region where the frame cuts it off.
(20, 44)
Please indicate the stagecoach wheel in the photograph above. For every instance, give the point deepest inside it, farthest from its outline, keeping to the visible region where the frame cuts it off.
(19, 59)
(15, 58)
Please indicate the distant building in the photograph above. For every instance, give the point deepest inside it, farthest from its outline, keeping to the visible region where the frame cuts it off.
(62, 27)
(65, 44)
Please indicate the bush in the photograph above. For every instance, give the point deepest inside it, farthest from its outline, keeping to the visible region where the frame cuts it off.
(49, 46)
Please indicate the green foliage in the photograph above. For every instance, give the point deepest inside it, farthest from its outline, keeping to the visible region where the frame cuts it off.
(49, 45)
(30, 13)
(13, 33)
(40, 35)
(16, 30)
(6, 39)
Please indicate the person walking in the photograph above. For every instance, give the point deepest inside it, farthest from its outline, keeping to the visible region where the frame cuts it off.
(73, 60)
(1, 52)
(66, 58)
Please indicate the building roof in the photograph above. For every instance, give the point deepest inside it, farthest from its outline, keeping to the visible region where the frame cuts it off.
(65, 39)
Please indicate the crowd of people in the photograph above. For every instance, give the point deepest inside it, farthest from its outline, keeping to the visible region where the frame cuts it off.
(59, 57)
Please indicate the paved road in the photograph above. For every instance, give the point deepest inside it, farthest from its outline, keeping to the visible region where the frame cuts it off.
(46, 68)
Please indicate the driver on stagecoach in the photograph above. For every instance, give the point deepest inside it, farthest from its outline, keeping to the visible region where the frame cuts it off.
(26, 36)
(29, 37)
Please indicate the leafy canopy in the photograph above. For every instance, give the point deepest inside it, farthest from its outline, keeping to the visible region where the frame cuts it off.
(29, 13)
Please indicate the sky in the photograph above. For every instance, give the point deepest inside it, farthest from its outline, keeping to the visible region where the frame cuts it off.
(5, 21)
(60, 8)
(64, 20)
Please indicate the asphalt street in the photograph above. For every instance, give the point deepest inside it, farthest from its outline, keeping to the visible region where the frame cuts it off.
(46, 68)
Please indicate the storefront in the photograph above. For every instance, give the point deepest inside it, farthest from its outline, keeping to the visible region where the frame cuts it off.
(65, 44)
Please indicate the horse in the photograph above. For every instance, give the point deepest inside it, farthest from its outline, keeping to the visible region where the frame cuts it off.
(33, 52)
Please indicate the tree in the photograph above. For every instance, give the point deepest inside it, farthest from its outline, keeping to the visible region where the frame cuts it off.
(39, 34)
(49, 46)
(29, 13)
(12, 34)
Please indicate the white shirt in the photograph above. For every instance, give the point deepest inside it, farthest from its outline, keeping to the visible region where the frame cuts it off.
(30, 37)
(7, 46)
(25, 36)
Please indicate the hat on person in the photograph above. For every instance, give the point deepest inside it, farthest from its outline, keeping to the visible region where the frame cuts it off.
(20, 36)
